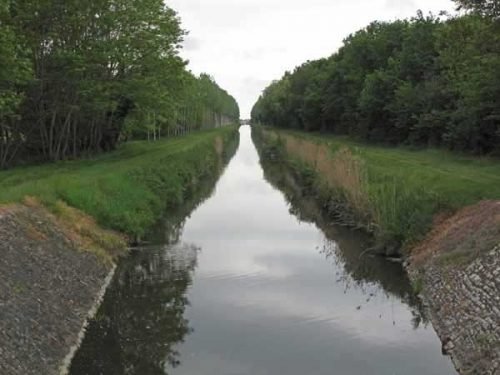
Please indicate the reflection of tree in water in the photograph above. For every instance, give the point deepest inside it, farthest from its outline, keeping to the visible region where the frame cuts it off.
(169, 229)
(342, 246)
(142, 318)
(141, 321)
(372, 275)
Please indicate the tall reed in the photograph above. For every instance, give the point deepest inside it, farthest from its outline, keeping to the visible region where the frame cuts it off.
(396, 213)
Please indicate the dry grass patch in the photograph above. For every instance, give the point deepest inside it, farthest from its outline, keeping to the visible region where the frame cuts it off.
(34, 233)
(340, 170)
(397, 193)
(5, 209)
(219, 146)
(463, 236)
(80, 229)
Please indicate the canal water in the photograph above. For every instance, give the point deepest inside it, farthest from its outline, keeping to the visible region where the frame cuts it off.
(254, 284)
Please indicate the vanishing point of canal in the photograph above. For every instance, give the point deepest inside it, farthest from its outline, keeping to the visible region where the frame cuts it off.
(244, 287)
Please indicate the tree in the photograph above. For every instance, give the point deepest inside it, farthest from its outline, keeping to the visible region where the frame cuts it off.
(79, 76)
(421, 81)
(485, 7)
(470, 59)
(15, 74)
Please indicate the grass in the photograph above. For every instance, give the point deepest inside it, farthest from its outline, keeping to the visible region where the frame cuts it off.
(125, 190)
(77, 227)
(418, 285)
(399, 191)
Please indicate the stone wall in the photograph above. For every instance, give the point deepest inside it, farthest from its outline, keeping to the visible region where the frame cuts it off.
(464, 304)
(48, 285)
(457, 267)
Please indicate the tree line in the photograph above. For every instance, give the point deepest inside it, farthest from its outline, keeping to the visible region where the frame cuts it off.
(77, 77)
(423, 81)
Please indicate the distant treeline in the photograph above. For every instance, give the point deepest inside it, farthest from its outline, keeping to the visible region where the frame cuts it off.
(78, 76)
(424, 82)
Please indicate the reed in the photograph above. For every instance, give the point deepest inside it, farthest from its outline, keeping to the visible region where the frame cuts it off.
(393, 192)
(340, 170)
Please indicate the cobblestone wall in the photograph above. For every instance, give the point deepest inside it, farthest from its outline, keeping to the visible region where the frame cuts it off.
(464, 304)
(47, 287)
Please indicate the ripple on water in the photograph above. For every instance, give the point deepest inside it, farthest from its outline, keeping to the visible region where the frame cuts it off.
(250, 289)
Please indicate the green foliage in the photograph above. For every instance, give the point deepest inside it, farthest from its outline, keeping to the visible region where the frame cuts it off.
(418, 285)
(15, 73)
(79, 76)
(127, 189)
(407, 188)
(199, 104)
(423, 82)
(485, 7)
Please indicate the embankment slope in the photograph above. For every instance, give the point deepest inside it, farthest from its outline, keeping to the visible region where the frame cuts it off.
(49, 284)
(57, 247)
(439, 211)
(458, 268)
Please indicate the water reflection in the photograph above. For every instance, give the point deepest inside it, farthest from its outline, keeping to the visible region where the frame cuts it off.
(263, 299)
(345, 248)
(142, 317)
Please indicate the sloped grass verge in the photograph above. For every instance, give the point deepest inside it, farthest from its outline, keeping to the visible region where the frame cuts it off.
(126, 190)
(394, 193)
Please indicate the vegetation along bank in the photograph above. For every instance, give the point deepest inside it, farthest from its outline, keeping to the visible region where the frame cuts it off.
(83, 85)
(78, 77)
(409, 118)
(438, 212)
(56, 258)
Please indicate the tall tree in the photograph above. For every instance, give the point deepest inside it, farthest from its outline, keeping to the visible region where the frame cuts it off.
(422, 81)
(484, 7)
(78, 76)
(15, 73)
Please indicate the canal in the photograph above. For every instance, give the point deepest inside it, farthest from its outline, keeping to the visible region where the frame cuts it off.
(251, 283)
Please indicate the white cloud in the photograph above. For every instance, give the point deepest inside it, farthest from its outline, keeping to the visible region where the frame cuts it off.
(245, 44)
(401, 5)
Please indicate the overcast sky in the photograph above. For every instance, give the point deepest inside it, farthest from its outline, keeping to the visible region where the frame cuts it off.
(246, 44)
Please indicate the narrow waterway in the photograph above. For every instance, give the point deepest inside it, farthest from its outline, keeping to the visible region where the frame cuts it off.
(250, 285)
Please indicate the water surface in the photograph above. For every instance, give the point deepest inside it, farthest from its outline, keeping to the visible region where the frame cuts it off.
(251, 284)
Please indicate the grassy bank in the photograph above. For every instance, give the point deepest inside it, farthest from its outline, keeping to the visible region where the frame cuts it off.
(126, 190)
(394, 192)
